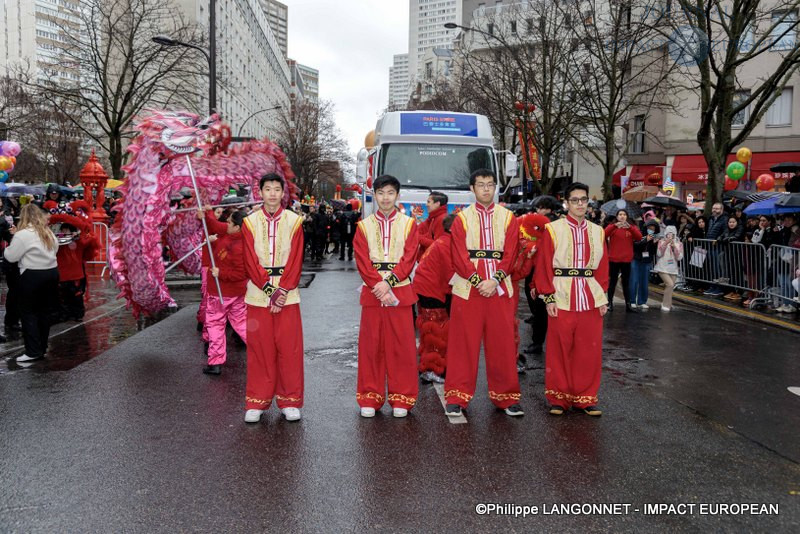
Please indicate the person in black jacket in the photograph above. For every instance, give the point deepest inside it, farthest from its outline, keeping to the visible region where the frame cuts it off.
(11, 274)
(716, 226)
(319, 223)
(730, 257)
(347, 231)
(644, 253)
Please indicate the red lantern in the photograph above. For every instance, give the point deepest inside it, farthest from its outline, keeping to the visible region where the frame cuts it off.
(519, 106)
(765, 182)
(369, 183)
(531, 108)
(730, 185)
(338, 188)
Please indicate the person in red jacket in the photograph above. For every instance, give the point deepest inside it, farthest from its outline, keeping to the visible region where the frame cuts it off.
(431, 228)
(385, 246)
(620, 235)
(205, 265)
(230, 271)
(432, 285)
(72, 224)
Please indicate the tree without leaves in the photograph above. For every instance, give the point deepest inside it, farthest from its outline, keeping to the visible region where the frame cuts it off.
(123, 72)
(619, 69)
(309, 137)
(737, 33)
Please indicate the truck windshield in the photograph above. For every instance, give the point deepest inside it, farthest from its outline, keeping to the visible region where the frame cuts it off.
(434, 166)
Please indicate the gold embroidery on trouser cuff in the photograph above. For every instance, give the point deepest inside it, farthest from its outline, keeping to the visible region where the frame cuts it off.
(258, 401)
(500, 276)
(466, 397)
(397, 397)
(549, 299)
(370, 396)
(475, 280)
(392, 280)
(288, 399)
(574, 399)
(500, 397)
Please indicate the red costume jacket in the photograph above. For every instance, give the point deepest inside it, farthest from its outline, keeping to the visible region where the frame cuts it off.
(435, 270)
(72, 257)
(229, 256)
(431, 229)
(620, 242)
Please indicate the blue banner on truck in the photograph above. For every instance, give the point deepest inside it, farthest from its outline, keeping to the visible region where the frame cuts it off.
(438, 124)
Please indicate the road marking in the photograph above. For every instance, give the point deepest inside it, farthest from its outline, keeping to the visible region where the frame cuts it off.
(794, 389)
(461, 419)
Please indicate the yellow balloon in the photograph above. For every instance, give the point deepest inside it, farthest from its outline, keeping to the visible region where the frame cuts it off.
(369, 140)
(5, 163)
(744, 154)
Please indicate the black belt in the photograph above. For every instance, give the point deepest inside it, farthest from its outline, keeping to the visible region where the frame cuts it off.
(480, 254)
(274, 271)
(574, 273)
(384, 266)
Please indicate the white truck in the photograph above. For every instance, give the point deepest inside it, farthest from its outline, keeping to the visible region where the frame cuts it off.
(428, 151)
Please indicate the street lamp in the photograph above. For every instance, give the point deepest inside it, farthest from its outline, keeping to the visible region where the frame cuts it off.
(211, 53)
(241, 128)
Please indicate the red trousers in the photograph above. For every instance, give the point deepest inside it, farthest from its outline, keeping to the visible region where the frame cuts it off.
(387, 353)
(573, 358)
(491, 320)
(274, 357)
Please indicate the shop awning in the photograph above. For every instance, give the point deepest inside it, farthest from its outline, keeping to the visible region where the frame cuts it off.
(616, 179)
(693, 168)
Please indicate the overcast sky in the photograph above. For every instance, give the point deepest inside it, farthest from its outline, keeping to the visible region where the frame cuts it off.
(351, 43)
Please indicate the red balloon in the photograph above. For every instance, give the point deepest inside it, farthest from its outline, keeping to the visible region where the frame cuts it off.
(730, 185)
(765, 182)
(338, 188)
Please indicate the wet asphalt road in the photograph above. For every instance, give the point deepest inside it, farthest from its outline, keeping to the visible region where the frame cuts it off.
(138, 440)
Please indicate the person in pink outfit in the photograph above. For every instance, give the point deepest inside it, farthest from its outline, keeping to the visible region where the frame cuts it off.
(230, 271)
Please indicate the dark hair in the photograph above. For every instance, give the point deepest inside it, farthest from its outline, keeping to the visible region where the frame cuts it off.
(237, 218)
(439, 198)
(271, 177)
(628, 215)
(576, 186)
(481, 172)
(349, 207)
(447, 222)
(386, 179)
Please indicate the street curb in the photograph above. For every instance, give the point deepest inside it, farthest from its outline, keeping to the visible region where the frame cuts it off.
(730, 310)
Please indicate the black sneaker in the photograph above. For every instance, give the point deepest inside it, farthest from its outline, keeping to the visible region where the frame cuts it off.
(515, 410)
(199, 326)
(556, 410)
(593, 411)
(453, 410)
(212, 370)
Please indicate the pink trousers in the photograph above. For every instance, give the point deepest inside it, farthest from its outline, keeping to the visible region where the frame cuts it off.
(217, 315)
(201, 312)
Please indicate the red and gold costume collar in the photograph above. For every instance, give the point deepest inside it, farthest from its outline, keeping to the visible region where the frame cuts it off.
(381, 217)
(572, 222)
(485, 209)
(274, 216)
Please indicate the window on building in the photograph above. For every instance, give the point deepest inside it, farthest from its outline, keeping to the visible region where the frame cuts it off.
(490, 28)
(780, 112)
(514, 27)
(784, 33)
(428, 70)
(740, 118)
(637, 147)
(529, 25)
(747, 40)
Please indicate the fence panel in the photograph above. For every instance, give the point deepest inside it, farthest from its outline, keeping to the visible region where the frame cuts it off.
(784, 270)
(101, 231)
(741, 266)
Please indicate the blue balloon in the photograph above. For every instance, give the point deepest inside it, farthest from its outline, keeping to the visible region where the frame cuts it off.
(3, 176)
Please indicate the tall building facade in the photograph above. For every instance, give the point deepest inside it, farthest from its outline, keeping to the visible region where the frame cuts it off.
(426, 29)
(278, 18)
(399, 82)
(310, 81)
(33, 35)
(252, 78)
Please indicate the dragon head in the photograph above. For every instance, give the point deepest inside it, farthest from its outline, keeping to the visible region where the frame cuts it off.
(184, 133)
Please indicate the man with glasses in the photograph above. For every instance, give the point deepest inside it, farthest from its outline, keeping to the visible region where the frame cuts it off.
(572, 278)
(484, 241)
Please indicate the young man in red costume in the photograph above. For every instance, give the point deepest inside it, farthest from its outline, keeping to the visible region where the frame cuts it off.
(572, 278)
(432, 285)
(386, 246)
(432, 227)
(273, 257)
(485, 238)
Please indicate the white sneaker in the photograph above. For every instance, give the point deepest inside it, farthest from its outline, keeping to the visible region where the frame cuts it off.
(665, 309)
(26, 358)
(253, 416)
(634, 306)
(399, 412)
(367, 412)
(291, 414)
(644, 306)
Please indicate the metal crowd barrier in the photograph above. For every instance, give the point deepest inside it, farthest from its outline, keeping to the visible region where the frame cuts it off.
(742, 266)
(101, 231)
(784, 266)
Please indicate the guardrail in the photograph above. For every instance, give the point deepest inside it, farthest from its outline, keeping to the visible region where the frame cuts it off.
(784, 266)
(101, 231)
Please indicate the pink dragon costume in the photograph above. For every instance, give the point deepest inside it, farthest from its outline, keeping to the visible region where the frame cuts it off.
(158, 168)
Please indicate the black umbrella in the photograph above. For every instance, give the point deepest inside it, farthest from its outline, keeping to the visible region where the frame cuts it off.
(763, 195)
(666, 201)
(233, 200)
(791, 200)
(612, 207)
(789, 166)
(738, 195)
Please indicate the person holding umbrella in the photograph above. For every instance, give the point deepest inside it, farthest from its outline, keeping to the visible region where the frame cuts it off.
(620, 235)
